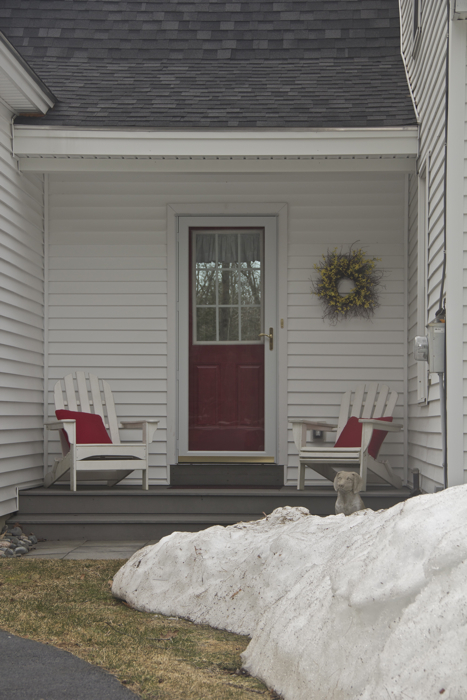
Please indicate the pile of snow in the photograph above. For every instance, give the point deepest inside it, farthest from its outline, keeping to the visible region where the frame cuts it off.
(371, 606)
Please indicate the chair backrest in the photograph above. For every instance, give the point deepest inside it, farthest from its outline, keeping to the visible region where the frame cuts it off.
(366, 403)
(87, 393)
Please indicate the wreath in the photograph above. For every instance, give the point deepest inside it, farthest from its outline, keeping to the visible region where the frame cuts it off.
(362, 300)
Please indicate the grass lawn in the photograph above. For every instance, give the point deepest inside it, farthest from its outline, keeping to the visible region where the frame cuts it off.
(69, 604)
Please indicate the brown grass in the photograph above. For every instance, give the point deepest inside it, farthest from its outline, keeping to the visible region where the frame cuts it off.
(69, 604)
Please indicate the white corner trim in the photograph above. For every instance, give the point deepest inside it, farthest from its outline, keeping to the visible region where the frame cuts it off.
(46, 224)
(94, 143)
(455, 227)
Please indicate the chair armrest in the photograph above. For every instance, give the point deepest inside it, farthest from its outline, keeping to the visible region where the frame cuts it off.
(371, 424)
(300, 426)
(68, 425)
(387, 426)
(60, 424)
(148, 426)
(135, 424)
(314, 424)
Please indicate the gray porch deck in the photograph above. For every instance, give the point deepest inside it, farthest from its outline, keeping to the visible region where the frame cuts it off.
(129, 513)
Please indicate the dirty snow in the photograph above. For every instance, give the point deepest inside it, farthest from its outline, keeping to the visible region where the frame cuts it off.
(371, 606)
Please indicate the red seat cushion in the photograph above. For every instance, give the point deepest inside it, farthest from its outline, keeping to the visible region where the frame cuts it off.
(351, 436)
(90, 428)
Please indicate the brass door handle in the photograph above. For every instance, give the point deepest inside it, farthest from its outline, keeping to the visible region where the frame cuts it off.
(269, 335)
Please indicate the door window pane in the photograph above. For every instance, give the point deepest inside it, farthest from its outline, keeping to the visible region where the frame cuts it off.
(251, 286)
(228, 323)
(205, 248)
(250, 249)
(251, 322)
(227, 248)
(227, 285)
(205, 285)
(206, 324)
(228, 288)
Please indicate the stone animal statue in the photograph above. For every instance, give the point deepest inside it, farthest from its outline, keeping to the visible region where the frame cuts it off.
(348, 485)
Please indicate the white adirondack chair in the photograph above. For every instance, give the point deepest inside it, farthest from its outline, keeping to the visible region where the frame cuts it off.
(111, 462)
(327, 460)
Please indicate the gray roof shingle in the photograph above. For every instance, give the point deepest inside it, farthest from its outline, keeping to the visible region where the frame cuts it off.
(186, 63)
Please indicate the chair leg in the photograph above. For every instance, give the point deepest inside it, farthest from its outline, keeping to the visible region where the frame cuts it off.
(73, 478)
(301, 477)
(146, 478)
(364, 471)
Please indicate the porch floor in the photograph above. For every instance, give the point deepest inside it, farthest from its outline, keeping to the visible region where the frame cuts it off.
(130, 513)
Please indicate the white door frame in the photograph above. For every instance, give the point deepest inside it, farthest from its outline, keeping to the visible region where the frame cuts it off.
(247, 211)
(270, 317)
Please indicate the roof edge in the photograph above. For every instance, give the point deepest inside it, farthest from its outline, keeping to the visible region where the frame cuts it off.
(217, 130)
(26, 82)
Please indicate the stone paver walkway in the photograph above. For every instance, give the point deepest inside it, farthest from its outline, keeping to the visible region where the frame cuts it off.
(86, 549)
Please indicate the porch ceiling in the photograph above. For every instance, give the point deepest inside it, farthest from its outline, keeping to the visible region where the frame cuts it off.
(48, 149)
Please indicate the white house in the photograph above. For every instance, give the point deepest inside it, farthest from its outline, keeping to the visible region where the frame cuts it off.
(292, 122)
(434, 53)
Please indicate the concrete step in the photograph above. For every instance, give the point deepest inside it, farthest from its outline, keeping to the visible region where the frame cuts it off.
(114, 526)
(124, 513)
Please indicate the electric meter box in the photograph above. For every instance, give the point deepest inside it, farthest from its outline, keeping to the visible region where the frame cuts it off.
(436, 346)
(420, 348)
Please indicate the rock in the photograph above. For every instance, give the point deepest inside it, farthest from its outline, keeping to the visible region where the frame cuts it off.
(16, 531)
(2, 553)
(14, 540)
(33, 539)
(21, 550)
(343, 601)
(9, 553)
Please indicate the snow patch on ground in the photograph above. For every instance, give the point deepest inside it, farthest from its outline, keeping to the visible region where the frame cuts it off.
(370, 607)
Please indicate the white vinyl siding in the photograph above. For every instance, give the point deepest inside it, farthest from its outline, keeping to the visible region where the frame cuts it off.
(108, 286)
(426, 71)
(21, 324)
(325, 360)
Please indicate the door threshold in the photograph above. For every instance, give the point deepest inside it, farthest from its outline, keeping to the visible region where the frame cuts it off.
(220, 459)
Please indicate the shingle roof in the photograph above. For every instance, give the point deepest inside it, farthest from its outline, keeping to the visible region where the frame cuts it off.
(160, 63)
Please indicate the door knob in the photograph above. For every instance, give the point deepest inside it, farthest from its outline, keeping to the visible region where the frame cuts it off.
(269, 335)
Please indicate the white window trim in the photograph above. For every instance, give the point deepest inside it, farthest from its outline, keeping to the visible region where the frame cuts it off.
(269, 224)
(280, 211)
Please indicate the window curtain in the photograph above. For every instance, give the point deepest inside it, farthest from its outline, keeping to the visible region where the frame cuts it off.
(227, 243)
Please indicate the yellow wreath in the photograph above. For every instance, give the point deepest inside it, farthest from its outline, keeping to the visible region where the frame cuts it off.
(363, 299)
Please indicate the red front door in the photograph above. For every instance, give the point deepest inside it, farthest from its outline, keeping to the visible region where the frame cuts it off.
(226, 354)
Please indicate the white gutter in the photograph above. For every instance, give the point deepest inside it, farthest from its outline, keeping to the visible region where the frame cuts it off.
(51, 142)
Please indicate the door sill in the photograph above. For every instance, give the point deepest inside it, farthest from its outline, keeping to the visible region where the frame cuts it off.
(218, 459)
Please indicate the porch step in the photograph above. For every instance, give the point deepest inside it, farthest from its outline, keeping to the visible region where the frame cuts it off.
(127, 513)
(226, 474)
